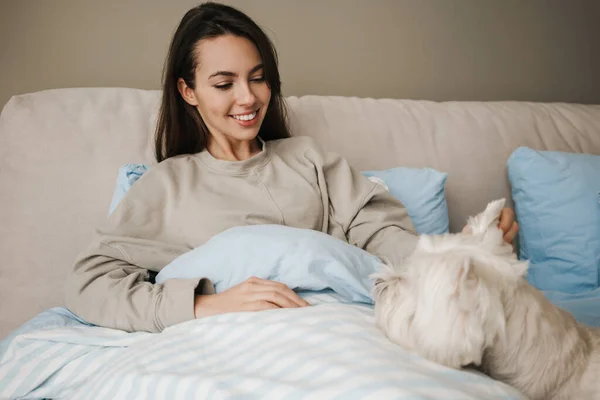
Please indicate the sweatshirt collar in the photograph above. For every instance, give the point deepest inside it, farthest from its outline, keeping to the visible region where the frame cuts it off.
(236, 167)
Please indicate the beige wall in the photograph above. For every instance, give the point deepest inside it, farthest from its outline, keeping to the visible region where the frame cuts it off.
(537, 50)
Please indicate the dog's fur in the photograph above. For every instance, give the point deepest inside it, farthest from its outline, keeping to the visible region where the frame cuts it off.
(463, 300)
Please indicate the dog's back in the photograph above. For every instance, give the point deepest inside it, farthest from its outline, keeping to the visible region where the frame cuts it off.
(587, 386)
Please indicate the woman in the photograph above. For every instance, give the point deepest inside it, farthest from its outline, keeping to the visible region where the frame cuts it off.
(225, 159)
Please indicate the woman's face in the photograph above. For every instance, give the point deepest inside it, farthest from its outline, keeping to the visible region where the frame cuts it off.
(231, 92)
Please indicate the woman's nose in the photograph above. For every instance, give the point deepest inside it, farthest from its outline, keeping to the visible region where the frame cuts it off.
(245, 96)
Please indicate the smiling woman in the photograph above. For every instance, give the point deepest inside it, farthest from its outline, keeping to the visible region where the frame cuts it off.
(232, 101)
(221, 69)
(225, 159)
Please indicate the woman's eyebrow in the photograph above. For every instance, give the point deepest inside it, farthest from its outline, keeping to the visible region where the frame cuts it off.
(228, 73)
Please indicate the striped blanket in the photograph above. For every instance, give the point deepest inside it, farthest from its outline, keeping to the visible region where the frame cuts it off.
(331, 350)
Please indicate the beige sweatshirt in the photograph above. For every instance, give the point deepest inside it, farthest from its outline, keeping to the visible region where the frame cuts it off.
(182, 202)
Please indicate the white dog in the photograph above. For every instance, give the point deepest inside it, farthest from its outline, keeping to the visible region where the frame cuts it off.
(462, 300)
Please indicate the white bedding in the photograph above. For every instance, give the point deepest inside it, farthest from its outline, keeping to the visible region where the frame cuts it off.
(331, 350)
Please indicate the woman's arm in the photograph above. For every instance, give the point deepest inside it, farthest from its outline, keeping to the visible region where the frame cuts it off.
(362, 211)
(369, 216)
(109, 283)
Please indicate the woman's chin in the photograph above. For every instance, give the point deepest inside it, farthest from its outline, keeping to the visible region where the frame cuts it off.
(241, 132)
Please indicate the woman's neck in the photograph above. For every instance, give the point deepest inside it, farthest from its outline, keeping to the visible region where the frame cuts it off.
(228, 149)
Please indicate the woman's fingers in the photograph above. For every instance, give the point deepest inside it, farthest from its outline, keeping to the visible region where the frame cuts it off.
(254, 294)
(279, 288)
(259, 305)
(507, 217)
(509, 236)
(274, 297)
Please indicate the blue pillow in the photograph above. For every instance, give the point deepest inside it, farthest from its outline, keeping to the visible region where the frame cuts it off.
(128, 174)
(557, 204)
(302, 259)
(584, 306)
(422, 191)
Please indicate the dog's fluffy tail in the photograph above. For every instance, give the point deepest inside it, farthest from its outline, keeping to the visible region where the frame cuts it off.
(489, 218)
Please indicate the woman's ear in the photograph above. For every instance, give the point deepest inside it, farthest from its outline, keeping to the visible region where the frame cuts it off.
(187, 93)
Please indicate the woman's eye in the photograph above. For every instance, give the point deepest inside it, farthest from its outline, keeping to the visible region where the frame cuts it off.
(223, 86)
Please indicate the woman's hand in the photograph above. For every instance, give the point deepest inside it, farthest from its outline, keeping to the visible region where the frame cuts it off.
(506, 223)
(255, 294)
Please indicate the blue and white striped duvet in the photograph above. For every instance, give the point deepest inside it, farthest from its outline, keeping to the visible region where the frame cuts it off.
(331, 350)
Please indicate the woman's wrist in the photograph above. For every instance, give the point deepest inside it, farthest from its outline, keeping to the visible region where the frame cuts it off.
(200, 305)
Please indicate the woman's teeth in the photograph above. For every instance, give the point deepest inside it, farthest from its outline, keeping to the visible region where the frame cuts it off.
(246, 117)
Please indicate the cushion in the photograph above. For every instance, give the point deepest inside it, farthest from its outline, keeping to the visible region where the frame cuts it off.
(126, 177)
(421, 190)
(557, 204)
(584, 306)
(303, 259)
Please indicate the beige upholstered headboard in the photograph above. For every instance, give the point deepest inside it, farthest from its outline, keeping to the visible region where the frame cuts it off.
(60, 151)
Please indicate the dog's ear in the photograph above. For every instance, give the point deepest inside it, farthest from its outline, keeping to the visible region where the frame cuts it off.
(449, 324)
(465, 272)
(487, 219)
(467, 281)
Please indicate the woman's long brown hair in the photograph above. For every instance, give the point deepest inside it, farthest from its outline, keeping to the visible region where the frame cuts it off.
(180, 128)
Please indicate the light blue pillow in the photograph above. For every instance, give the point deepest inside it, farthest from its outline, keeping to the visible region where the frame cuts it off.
(557, 205)
(422, 191)
(128, 174)
(302, 259)
(584, 306)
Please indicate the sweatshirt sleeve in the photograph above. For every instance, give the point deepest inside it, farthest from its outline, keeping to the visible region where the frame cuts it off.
(365, 212)
(108, 285)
